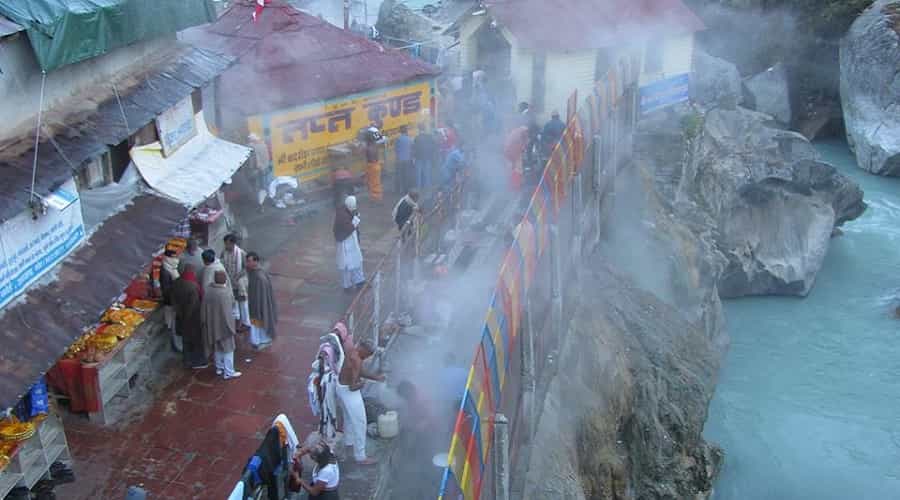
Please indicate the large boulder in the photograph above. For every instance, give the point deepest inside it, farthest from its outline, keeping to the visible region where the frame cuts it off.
(768, 93)
(870, 88)
(715, 82)
(775, 205)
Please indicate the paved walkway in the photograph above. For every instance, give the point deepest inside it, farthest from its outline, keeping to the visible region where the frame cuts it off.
(198, 431)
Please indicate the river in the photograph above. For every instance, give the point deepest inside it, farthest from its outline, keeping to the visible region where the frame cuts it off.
(808, 402)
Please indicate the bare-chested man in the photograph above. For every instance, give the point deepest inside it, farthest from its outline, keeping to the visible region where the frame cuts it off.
(350, 382)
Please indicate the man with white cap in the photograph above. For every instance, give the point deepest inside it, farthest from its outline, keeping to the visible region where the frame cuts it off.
(349, 255)
(263, 165)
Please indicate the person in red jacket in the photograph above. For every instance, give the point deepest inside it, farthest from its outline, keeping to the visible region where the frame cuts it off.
(514, 151)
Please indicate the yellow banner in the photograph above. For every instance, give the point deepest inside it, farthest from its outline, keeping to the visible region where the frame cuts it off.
(299, 138)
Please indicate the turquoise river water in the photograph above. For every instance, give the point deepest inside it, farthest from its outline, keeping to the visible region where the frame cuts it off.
(808, 401)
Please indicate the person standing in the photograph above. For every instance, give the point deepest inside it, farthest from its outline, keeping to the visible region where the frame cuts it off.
(217, 319)
(264, 175)
(552, 133)
(452, 165)
(349, 254)
(193, 255)
(373, 167)
(350, 382)
(403, 153)
(514, 152)
(424, 154)
(168, 273)
(210, 265)
(233, 259)
(261, 301)
(186, 297)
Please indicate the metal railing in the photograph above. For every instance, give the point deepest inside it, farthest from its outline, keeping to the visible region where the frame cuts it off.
(524, 323)
(378, 305)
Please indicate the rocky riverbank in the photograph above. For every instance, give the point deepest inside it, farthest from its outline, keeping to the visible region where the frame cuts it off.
(773, 203)
(623, 416)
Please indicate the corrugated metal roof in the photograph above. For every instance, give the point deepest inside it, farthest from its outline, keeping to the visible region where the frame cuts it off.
(8, 27)
(82, 136)
(36, 332)
(289, 58)
(591, 24)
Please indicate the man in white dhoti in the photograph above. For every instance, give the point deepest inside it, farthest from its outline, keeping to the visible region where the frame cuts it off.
(233, 259)
(348, 392)
(349, 255)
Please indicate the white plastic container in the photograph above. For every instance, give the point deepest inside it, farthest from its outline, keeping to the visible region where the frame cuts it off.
(388, 424)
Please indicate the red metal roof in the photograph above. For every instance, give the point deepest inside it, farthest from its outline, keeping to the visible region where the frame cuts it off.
(289, 58)
(591, 24)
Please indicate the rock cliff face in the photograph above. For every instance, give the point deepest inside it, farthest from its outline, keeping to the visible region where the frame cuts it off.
(870, 88)
(720, 84)
(775, 205)
(768, 93)
(623, 418)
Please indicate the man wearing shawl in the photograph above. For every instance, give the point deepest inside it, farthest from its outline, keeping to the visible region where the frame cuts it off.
(186, 298)
(218, 324)
(349, 255)
(233, 259)
(211, 265)
(193, 255)
(261, 302)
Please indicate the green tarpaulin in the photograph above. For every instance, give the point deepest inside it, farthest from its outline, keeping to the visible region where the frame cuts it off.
(67, 31)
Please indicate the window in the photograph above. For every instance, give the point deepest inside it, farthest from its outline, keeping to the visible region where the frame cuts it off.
(653, 56)
(197, 100)
(144, 135)
(119, 160)
(95, 174)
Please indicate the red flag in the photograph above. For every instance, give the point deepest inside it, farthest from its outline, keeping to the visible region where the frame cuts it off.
(260, 5)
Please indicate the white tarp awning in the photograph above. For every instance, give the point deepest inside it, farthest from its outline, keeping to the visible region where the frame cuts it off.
(193, 172)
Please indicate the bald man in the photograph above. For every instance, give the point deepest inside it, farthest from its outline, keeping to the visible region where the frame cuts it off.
(218, 324)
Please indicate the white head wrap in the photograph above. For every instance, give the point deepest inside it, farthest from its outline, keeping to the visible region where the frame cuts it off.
(350, 202)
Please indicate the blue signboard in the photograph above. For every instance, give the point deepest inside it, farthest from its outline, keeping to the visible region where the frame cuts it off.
(664, 93)
(29, 247)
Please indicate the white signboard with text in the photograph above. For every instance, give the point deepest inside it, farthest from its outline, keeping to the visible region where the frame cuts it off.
(29, 248)
(176, 126)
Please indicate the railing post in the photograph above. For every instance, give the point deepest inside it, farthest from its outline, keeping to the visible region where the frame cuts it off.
(501, 457)
(399, 274)
(376, 312)
(556, 284)
(577, 213)
(528, 371)
(417, 243)
(599, 185)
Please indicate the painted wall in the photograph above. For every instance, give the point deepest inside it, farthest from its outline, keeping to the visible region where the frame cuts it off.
(300, 138)
(567, 71)
(677, 54)
(20, 78)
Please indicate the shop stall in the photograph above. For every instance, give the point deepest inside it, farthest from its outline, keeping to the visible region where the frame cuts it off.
(99, 370)
(32, 443)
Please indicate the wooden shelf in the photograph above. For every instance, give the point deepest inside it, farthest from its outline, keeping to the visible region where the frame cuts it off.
(132, 357)
(9, 480)
(34, 457)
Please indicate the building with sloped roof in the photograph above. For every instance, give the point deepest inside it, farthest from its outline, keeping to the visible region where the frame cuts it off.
(305, 86)
(103, 108)
(542, 49)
